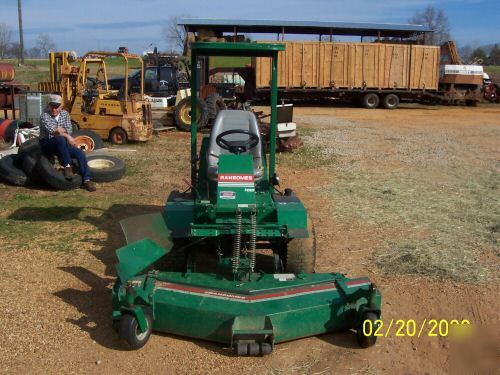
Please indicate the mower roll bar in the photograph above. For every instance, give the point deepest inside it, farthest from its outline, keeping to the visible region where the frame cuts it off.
(234, 49)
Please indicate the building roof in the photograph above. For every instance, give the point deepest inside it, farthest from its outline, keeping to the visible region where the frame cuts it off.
(304, 27)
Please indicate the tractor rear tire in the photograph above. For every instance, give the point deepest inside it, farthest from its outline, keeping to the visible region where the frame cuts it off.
(301, 253)
(183, 114)
(215, 103)
(390, 101)
(129, 330)
(365, 341)
(370, 100)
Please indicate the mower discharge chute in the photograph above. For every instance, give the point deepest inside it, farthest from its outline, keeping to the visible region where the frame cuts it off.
(195, 269)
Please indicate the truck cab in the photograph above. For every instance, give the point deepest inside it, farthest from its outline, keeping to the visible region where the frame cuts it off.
(158, 81)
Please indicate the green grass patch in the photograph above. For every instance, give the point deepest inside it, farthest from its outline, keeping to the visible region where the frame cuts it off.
(309, 155)
(229, 61)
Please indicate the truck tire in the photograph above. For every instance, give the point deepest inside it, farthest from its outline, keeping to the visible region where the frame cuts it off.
(215, 103)
(301, 253)
(104, 168)
(390, 101)
(183, 114)
(96, 139)
(11, 170)
(55, 178)
(370, 100)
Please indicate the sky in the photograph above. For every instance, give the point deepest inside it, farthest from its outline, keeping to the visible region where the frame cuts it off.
(137, 24)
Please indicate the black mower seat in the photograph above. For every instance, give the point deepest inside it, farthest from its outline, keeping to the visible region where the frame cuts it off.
(232, 120)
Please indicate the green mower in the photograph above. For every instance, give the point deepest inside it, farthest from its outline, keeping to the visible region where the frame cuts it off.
(232, 259)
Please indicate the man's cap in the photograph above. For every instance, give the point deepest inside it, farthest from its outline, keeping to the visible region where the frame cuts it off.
(55, 99)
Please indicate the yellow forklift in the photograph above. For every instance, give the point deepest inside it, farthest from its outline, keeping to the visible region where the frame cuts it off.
(116, 115)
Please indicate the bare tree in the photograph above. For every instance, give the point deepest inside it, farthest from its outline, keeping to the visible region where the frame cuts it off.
(436, 20)
(5, 39)
(174, 34)
(45, 44)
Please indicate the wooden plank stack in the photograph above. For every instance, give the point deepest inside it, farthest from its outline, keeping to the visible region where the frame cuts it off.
(320, 65)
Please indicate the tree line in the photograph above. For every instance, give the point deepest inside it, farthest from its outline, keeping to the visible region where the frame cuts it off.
(11, 49)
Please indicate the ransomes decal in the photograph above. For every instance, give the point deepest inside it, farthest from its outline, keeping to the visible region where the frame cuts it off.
(236, 180)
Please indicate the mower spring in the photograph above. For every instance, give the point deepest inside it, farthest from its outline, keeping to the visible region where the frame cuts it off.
(253, 239)
(237, 243)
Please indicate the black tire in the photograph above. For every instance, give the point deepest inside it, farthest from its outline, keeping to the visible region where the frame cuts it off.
(471, 103)
(32, 148)
(183, 114)
(11, 170)
(129, 330)
(29, 167)
(98, 142)
(390, 101)
(55, 178)
(301, 253)
(365, 341)
(215, 103)
(118, 136)
(104, 168)
(370, 100)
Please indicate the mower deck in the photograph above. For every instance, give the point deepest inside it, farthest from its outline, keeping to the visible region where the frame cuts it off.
(251, 316)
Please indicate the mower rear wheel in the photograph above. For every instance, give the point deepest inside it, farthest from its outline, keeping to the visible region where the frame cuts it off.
(366, 331)
(129, 330)
(301, 253)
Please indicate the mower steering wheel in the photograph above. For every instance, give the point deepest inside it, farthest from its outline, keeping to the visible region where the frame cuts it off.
(237, 147)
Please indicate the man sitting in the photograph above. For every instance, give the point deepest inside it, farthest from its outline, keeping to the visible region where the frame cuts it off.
(56, 139)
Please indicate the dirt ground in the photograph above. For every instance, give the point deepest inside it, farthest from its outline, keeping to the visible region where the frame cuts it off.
(408, 197)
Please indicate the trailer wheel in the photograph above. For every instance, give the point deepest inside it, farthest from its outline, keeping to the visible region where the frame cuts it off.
(301, 253)
(129, 330)
(370, 100)
(183, 114)
(366, 331)
(118, 136)
(390, 101)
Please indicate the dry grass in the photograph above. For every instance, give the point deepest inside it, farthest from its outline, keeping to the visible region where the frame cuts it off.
(438, 187)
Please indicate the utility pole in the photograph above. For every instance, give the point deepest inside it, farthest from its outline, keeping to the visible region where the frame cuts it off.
(21, 43)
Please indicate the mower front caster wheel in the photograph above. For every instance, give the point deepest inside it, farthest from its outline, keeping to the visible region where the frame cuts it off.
(253, 348)
(366, 331)
(129, 330)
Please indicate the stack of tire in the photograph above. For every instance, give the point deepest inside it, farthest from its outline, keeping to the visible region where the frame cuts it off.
(30, 167)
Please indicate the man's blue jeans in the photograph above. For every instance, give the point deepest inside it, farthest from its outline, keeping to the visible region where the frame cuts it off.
(59, 146)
